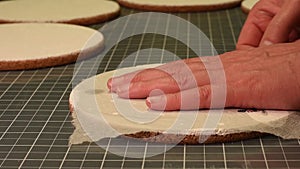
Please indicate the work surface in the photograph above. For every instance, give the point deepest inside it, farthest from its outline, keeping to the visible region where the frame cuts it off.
(35, 123)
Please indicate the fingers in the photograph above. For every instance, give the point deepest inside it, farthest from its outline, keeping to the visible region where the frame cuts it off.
(282, 26)
(250, 35)
(212, 97)
(205, 97)
(168, 84)
(143, 75)
(190, 99)
(256, 24)
(142, 89)
(147, 74)
(183, 66)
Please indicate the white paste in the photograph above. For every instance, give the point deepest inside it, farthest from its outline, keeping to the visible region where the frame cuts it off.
(248, 4)
(93, 113)
(30, 41)
(54, 10)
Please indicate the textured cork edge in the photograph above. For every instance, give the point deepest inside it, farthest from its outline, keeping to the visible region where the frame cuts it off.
(78, 21)
(51, 60)
(165, 8)
(157, 137)
(193, 139)
(95, 19)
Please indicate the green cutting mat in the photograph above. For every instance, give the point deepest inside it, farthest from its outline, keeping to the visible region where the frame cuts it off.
(35, 122)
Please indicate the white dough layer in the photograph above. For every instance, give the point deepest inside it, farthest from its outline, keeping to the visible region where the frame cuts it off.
(28, 41)
(179, 5)
(247, 5)
(55, 10)
(102, 114)
(182, 2)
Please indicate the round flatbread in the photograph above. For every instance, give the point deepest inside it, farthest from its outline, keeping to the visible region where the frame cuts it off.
(82, 12)
(247, 5)
(179, 5)
(37, 45)
(98, 113)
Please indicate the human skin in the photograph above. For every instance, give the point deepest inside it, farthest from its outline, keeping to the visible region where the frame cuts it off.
(263, 73)
(265, 78)
(271, 22)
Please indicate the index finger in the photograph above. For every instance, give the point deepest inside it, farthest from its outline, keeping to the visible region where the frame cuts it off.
(155, 73)
(282, 25)
(256, 24)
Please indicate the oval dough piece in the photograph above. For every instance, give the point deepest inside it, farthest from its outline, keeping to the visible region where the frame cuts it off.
(82, 12)
(179, 5)
(95, 109)
(247, 5)
(37, 45)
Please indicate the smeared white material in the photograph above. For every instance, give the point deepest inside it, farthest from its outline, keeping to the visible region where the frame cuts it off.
(248, 4)
(30, 41)
(181, 2)
(95, 114)
(54, 10)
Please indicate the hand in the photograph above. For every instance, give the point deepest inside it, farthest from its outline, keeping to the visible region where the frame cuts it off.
(264, 78)
(271, 22)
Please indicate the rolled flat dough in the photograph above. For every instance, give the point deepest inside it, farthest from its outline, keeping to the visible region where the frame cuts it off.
(98, 113)
(81, 12)
(247, 5)
(36, 45)
(179, 5)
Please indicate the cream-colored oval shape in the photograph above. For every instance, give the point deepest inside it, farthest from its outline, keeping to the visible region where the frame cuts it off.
(28, 43)
(66, 11)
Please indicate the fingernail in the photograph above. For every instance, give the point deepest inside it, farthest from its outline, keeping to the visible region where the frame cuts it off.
(113, 83)
(109, 84)
(148, 102)
(156, 102)
(122, 91)
(267, 43)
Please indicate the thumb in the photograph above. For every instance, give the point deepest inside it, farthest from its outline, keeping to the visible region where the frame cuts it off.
(281, 26)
